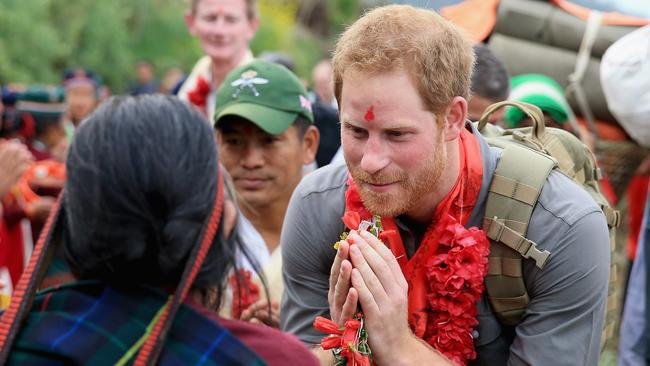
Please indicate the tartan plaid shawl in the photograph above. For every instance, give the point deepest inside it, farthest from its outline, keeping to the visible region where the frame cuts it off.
(90, 323)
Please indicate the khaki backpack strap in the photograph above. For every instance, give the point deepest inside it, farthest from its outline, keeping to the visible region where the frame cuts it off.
(499, 232)
(612, 216)
(518, 180)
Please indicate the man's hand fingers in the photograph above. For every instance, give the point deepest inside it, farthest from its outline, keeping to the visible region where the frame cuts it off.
(370, 278)
(349, 307)
(341, 255)
(341, 289)
(366, 298)
(388, 257)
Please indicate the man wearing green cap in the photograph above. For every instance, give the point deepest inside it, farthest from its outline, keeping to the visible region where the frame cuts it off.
(265, 130)
(543, 92)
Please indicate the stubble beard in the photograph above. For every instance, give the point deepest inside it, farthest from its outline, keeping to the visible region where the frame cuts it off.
(411, 189)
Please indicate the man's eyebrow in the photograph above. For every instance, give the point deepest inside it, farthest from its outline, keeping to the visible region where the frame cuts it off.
(397, 126)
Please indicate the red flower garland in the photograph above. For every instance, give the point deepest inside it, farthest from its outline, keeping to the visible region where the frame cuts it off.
(344, 337)
(455, 277)
(199, 95)
(244, 292)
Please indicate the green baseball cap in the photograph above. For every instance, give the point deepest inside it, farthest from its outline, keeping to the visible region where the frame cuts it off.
(265, 93)
(541, 91)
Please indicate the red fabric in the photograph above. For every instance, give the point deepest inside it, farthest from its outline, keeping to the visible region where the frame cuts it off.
(38, 153)
(608, 191)
(637, 192)
(12, 251)
(447, 226)
(274, 346)
(11, 237)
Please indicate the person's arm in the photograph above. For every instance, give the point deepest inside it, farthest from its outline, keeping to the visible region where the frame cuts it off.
(564, 320)
(312, 225)
(325, 357)
(261, 312)
(14, 160)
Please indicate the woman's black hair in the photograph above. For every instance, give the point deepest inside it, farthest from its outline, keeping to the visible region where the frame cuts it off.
(141, 182)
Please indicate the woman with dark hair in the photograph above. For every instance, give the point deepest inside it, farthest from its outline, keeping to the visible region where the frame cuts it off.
(147, 230)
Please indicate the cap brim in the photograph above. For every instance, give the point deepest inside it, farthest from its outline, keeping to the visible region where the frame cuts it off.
(268, 119)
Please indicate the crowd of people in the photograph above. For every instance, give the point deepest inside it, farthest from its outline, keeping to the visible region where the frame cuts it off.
(238, 216)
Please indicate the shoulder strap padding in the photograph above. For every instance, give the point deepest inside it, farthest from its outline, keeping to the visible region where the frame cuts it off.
(518, 180)
(500, 233)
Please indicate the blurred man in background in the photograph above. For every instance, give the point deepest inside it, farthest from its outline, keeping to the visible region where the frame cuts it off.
(224, 29)
(81, 96)
(146, 82)
(490, 84)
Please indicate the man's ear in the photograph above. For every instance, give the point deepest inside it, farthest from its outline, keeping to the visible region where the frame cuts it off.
(310, 144)
(189, 21)
(455, 118)
(254, 26)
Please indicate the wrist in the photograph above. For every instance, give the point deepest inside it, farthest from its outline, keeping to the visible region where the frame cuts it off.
(415, 351)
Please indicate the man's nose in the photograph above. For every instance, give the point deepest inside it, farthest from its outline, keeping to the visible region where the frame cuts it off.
(375, 155)
(252, 157)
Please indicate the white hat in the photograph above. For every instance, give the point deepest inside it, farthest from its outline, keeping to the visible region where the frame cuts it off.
(625, 77)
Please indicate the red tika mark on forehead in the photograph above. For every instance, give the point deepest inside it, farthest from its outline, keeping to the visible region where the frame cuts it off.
(220, 11)
(370, 114)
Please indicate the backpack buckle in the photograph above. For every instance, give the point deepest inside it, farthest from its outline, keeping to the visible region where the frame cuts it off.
(537, 255)
(518, 135)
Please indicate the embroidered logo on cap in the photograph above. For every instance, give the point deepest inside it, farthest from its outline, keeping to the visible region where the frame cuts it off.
(305, 103)
(248, 80)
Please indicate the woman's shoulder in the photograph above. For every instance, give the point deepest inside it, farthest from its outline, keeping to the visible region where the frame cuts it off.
(274, 346)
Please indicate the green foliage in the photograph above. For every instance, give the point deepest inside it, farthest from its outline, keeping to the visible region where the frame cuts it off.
(281, 31)
(28, 42)
(161, 36)
(103, 43)
(342, 13)
(40, 38)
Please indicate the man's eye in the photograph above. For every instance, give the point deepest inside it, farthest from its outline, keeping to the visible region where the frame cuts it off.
(231, 19)
(232, 141)
(269, 140)
(357, 131)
